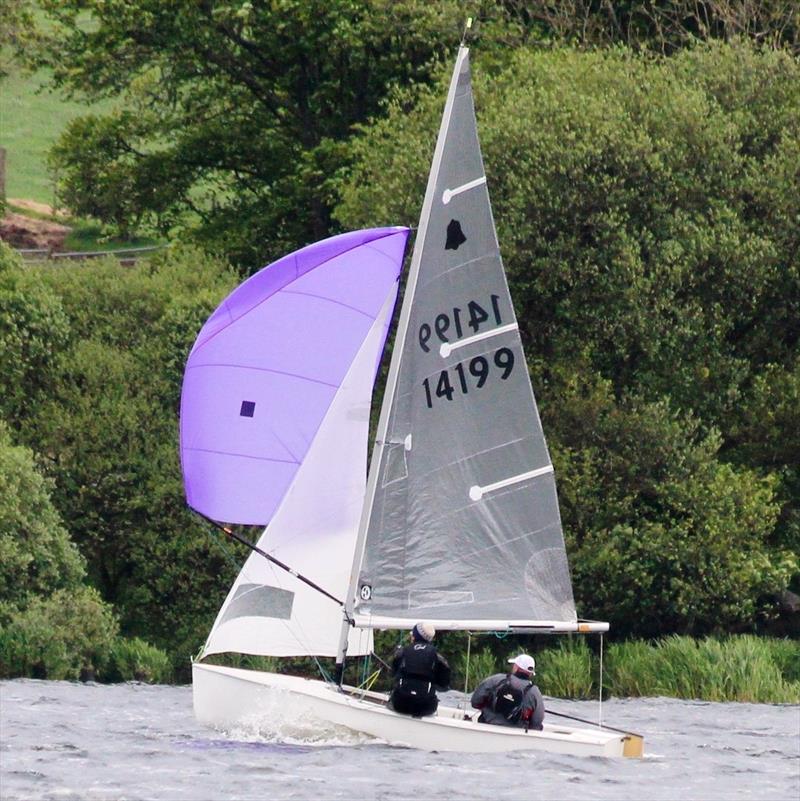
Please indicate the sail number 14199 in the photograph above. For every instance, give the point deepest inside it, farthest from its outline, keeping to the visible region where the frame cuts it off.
(478, 368)
(474, 316)
(473, 374)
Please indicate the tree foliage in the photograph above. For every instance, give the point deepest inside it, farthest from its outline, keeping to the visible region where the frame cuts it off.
(51, 624)
(234, 110)
(68, 635)
(663, 25)
(109, 425)
(33, 331)
(664, 537)
(648, 212)
(36, 554)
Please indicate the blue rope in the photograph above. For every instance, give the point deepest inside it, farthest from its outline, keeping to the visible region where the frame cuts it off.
(220, 543)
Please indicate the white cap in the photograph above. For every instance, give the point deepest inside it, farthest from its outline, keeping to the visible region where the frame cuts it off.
(524, 662)
(424, 631)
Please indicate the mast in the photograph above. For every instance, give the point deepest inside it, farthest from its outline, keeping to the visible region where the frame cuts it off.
(394, 366)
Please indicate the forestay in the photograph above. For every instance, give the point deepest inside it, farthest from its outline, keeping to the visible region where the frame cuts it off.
(462, 527)
(274, 425)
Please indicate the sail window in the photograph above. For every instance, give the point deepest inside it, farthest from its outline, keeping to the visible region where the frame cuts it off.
(396, 467)
(259, 600)
(248, 409)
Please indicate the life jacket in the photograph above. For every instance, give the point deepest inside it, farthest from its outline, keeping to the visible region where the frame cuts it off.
(508, 698)
(417, 667)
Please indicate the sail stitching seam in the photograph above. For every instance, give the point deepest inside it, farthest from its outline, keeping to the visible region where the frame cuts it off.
(267, 370)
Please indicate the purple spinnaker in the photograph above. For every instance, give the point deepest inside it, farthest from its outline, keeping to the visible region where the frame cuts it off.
(268, 363)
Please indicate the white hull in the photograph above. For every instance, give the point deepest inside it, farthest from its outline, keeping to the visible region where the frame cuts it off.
(230, 698)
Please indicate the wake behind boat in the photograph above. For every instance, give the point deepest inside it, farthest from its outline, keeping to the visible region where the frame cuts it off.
(458, 523)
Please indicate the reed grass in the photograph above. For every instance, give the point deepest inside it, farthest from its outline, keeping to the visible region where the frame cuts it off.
(743, 668)
(137, 660)
(470, 674)
(566, 671)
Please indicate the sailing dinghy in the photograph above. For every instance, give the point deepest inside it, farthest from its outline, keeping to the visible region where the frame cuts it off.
(457, 523)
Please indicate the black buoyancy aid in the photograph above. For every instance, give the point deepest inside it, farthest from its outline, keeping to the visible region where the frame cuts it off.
(418, 662)
(508, 698)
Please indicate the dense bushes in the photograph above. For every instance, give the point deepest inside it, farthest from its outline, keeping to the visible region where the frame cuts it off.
(37, 556)
(33, 330)
(52, 625)
(104, 428)
(137, 660)
(66, 636)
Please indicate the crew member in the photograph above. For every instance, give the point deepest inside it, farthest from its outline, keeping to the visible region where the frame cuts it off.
(511, 699)
(418, 669)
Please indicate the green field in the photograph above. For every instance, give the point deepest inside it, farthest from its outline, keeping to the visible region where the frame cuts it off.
(31, 119)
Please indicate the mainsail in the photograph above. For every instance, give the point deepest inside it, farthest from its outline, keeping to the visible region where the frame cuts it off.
(462, 525)
(274, 425)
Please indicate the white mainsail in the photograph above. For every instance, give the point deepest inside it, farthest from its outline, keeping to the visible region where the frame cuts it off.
(461, 525)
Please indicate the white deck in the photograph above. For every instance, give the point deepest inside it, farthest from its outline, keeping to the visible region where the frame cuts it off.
(229, 697)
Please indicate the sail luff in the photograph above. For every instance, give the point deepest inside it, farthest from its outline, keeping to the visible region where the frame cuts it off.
(402, 329)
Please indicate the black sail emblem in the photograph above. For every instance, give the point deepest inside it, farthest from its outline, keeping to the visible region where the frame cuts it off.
(455, 236)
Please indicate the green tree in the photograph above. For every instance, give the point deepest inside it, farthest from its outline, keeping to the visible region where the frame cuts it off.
(36, 554)
(234, 111)
(663, 536)
(111, 425)
(663, 25)
(68, 635)
(33, 332)
(14, 31)
(51, 624)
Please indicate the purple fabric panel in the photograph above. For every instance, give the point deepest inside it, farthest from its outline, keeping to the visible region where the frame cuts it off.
(267, 364)
(275, 276)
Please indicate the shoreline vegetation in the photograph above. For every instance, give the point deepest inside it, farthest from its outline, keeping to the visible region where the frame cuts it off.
(741, 668)
(643, 165)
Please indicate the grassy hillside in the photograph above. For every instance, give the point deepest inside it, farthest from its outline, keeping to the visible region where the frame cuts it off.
(31, 118)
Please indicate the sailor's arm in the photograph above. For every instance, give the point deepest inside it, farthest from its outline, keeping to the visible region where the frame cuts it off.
(483, 693)
(533, 707)
(397, 658)
(441, 673)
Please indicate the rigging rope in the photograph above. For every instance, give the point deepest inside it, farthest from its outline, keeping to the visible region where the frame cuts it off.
(600, 706)
(466, 671)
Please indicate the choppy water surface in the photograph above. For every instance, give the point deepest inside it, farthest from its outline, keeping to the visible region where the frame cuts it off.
(107, 743)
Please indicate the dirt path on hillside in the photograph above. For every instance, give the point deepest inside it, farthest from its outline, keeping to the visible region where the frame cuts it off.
(22, 232)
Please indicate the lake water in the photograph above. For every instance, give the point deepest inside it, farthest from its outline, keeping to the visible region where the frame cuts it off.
(60, 740)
